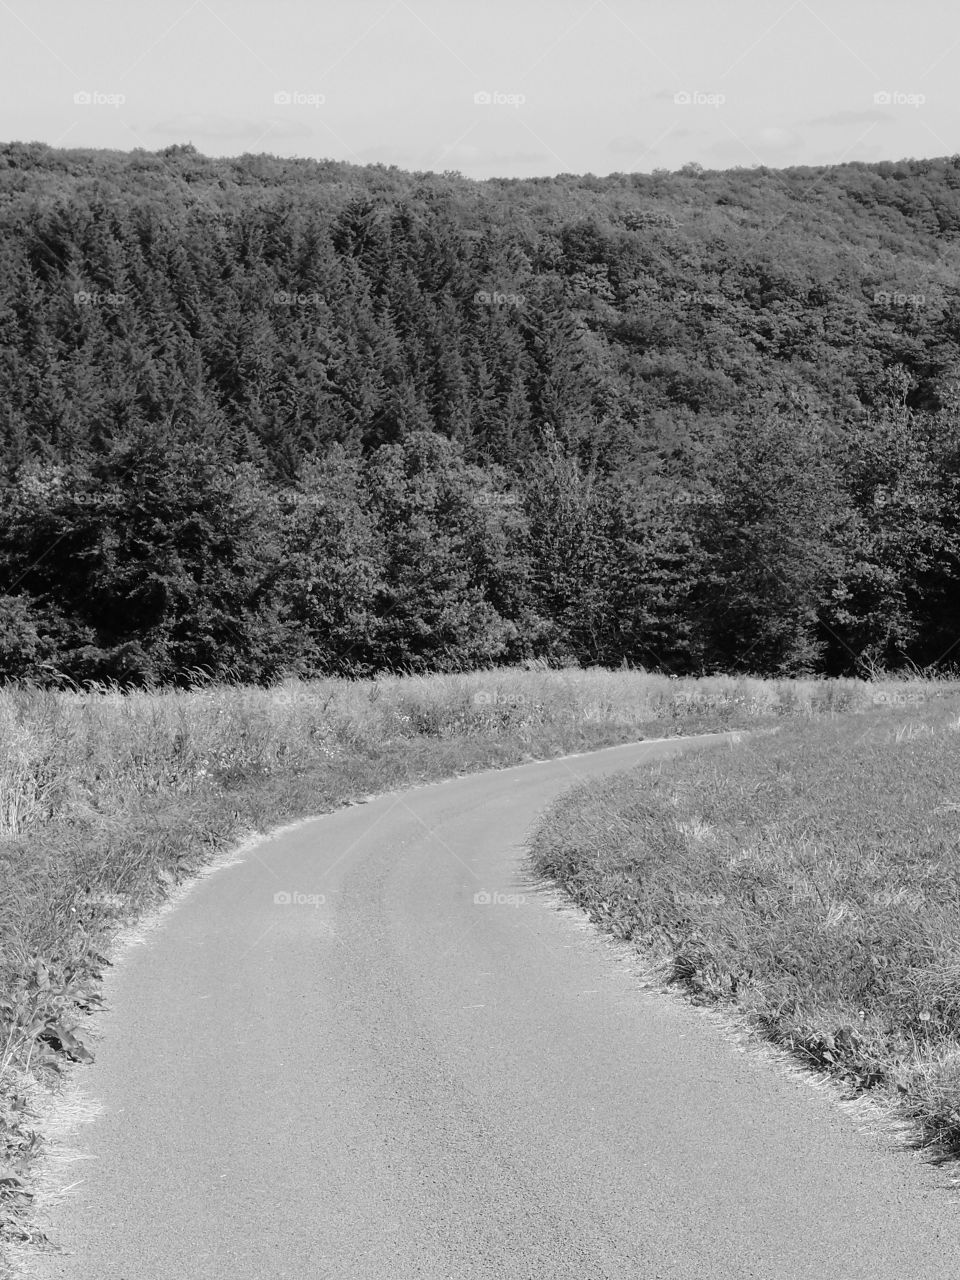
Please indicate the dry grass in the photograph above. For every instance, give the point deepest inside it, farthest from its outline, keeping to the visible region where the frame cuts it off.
(109, 800)
(811, 882)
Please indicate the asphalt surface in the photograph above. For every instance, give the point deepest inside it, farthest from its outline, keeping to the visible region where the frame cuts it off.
(384, 1077)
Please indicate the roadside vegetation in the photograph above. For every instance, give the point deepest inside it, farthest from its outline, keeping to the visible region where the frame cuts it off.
(108, 800)
(809, 882)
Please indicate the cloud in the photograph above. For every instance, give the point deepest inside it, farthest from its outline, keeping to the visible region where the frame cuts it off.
(851, 117)
(518, 157)
(627, 144)
(774, 138)
(460, 151)
(386, 154)
(464, 153)
(203, 124)
(761, 146)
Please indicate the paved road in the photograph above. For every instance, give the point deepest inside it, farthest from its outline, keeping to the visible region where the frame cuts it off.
(401, 1082)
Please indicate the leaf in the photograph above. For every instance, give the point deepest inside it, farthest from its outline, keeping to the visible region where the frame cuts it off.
(59, 1037)
(14, 1192)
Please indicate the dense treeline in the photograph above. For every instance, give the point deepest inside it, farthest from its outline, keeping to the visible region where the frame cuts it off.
(267, 415)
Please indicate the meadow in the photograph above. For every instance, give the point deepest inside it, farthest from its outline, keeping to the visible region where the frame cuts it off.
(110, 799)
(808, 884)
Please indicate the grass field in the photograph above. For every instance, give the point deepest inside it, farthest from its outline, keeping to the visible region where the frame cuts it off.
(810, 882)
(109, 800)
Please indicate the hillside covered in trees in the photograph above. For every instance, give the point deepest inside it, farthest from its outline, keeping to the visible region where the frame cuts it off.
(264, 415)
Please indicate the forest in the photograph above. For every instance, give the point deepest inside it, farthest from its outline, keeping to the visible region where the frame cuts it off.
(264, 416)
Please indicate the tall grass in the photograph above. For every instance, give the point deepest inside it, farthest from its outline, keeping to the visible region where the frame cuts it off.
(109, 799)
(67, 756)
(811, 882)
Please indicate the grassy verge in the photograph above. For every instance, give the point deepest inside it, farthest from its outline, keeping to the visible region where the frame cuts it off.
(107, 801)
(810, 882)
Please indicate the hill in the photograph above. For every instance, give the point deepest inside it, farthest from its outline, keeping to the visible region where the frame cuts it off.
(695, 420)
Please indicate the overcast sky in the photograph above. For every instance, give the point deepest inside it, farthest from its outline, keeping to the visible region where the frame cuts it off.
(490, 87)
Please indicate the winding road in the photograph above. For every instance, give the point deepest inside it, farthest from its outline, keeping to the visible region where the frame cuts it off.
(413, 1063)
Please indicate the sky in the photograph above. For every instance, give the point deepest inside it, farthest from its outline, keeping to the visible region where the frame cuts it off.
(489, 88)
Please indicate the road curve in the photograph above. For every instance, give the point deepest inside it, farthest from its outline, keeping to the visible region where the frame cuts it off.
(398, 1081)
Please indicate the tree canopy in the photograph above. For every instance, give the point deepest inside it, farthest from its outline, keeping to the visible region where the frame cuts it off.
(262, 415)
